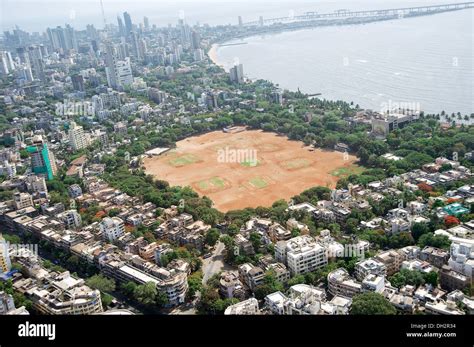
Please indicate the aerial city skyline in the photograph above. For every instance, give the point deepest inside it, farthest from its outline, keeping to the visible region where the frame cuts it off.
(294, 164)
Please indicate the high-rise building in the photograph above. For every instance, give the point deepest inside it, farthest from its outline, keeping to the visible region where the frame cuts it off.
(128, 23)
(77, 137)
(185, 31)
(195, 40)
(62, 39)
(23, 55)
(5, 263)
(70, 37)
(135, 39)
(146, 23)
(36, 62)
(24, 73)
(42, 159)
(198, 54)
(236, 74)
(78, 82)
(119, 72)
(240, 21)
(121, 26)
(124, 72)
(92, 32)
(6, 63)
(110, 65)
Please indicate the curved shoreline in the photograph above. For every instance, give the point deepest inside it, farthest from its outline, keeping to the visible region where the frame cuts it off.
(213, 52)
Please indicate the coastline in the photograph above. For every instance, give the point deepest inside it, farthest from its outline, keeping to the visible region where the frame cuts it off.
(212, 54)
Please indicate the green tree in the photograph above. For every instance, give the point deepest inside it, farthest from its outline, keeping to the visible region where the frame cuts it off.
(146, 293)
(405, 276)
(419, 229)
(430, 239)
(102, 283)
(212, 236)
(194, 283)
(128, 288)
(431, 278)
(298, 279)
(255, 239)
(270, 285)
(371, 303)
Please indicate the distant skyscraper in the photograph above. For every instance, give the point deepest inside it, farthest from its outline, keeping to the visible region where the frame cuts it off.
(236, 74)
(128, 23)
(61, 38)
(240, 21)
(110, 65)
(42, 160)
(23, 55)
(124, 72)
(195, 40)
(185, 31)
(78, 82)
(146, 23)
(6, 63)
(64, 39)
(36, 62)
(70, 37)
(119, 72)
(121, 26)
(136, 45)
(198, 54)
(92, 32)
(23, 72)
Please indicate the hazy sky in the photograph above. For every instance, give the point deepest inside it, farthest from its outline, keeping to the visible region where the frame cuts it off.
(36, 15)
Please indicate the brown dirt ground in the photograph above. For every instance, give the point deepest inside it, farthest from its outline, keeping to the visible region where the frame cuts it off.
(288, 168)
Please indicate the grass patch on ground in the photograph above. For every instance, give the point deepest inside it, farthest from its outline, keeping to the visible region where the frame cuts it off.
(347, 171)
(250, 163)
(212, 184)
(183, 160)
(217, 182)
(294, 164)
(258, 182)
(204, 185)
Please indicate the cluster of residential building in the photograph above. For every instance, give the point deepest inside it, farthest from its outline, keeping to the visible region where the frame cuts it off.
(302, 254)
(106, 243)
(50, 292)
